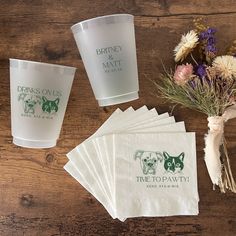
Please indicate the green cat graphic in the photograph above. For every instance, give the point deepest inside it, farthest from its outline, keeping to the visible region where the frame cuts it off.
(50, 106)
(173, 164)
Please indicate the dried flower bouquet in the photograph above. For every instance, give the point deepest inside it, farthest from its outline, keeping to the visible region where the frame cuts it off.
(206, 83)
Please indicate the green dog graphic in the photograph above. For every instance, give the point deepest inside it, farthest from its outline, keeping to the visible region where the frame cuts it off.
(148, 160)
(29, 102)
(173, 164)
(49, 106)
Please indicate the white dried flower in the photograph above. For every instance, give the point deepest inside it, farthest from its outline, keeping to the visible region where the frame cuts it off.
(188, 42)
(225, 66)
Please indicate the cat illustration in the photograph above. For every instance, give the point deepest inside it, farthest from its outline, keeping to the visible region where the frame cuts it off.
(50, 106)
(173, 164)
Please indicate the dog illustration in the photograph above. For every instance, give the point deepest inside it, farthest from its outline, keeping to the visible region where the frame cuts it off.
(148, 160)
(29, 102)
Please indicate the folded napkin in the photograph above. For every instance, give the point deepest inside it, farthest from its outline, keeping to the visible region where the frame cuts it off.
(110, 165)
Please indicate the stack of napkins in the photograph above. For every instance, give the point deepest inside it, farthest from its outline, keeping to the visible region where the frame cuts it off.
(139, 163)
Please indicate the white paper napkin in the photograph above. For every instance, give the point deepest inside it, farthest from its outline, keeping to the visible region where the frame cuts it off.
(94, 162)
(155, 174)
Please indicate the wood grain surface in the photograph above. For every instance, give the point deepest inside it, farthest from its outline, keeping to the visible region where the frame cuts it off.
(37, 197)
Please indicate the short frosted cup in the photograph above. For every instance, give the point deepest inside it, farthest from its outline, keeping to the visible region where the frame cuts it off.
(108, 50)
(39, 96)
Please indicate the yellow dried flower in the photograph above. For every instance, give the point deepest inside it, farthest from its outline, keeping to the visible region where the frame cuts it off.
(232, 49)
(199, 25)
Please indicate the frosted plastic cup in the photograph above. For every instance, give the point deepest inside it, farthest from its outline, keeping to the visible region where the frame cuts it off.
(39, 96)
(107, 47)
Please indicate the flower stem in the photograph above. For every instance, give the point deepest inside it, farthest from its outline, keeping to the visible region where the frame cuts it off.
(228, 181)
(193, 59)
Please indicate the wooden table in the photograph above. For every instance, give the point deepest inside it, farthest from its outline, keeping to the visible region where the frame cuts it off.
(37, 197)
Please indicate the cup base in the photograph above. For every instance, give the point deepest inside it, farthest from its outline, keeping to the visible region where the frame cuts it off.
(34, 143)
(118, 99)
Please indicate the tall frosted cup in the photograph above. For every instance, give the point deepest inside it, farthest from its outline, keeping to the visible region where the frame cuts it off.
(107, 47)
(39, 96)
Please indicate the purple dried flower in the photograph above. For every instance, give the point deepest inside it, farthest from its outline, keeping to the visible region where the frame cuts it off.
(202, 35)
(211, 31)
(207, 34)
(200, 70)
(209, 40)
(211, 48)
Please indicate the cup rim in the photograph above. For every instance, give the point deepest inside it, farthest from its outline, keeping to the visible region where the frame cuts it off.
(42, 63)
(100, 20)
